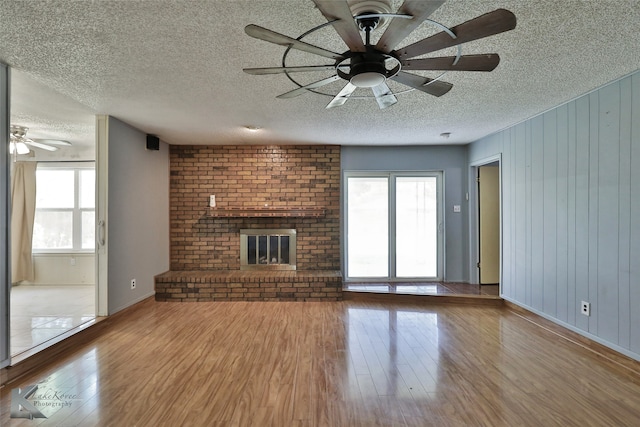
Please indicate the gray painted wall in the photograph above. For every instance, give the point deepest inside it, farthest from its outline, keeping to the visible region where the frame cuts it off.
(452, 160)
(138, 205)
(571, 213)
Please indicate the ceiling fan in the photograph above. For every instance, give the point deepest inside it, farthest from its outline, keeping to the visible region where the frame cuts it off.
(20, 144)
(366, 65)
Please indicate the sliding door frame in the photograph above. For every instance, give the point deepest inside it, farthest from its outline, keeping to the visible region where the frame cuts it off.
(391, 206)
(5, 225)
(101, 215)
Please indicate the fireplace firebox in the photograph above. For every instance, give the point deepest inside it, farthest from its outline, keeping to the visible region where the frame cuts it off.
(267, 249)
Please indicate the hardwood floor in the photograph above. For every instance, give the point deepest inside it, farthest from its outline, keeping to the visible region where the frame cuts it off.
(431, 288)
(423, 293)
(329, 364)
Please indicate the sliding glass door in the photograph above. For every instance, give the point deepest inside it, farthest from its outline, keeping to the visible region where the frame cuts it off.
(368, 226)
(416, 208)
(393, 226)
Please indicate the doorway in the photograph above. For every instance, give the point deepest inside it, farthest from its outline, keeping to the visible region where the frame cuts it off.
(489, 224)
(393, 226)
(52, 288)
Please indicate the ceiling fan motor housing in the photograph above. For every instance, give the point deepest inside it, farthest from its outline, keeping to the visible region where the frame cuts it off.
(18, 131)
(369, 69)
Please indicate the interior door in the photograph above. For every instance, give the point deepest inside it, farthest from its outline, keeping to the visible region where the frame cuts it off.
(489, 224)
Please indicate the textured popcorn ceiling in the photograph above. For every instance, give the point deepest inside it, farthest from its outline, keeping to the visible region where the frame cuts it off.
(174, 68)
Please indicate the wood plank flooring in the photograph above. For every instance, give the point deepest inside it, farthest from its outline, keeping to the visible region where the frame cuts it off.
(328, 364)
(420, 288)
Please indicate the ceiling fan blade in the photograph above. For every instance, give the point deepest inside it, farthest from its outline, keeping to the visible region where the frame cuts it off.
(400, 28)
(435, 88)
(344, 24)
(342, 96)
(304, 89)
(278, 70)
(39, 145)
(384, 96)
(485, 62)
(489, 24)
(59, 142)
(272, 37)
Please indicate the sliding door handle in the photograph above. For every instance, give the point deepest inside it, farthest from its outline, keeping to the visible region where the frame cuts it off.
(101, 232)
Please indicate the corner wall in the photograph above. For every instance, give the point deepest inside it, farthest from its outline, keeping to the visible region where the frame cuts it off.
(138, 215)
(571, 213)
(64, 269)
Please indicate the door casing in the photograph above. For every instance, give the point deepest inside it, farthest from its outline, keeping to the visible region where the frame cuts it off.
(474, 217)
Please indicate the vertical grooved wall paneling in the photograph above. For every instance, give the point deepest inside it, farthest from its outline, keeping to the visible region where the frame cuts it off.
(521, 170)
(634, 234)
(571, 213)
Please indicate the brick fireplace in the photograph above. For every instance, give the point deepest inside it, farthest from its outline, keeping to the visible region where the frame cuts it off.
(255, 187)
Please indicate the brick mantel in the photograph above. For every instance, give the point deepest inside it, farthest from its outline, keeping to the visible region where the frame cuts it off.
(281, 212)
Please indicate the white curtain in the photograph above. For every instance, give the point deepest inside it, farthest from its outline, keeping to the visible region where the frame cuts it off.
(23, 210)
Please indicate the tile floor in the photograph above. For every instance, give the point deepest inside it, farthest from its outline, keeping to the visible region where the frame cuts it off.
(40, 313)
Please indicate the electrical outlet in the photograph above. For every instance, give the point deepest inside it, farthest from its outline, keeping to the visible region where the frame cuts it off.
(585, 308)
(133, 283)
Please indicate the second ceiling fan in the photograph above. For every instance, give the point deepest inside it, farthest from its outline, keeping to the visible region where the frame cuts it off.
(20, 143)
(366, 65)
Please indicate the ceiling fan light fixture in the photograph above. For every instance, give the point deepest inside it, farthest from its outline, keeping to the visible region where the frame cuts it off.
(368, 79)
(19, 147)
(367, 71)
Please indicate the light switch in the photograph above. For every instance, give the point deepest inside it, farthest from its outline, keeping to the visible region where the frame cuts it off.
(456, 208)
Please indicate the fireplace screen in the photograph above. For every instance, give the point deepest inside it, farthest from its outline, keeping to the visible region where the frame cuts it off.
(273, 249)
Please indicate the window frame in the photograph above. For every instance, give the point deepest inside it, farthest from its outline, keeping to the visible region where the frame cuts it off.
(77, 211)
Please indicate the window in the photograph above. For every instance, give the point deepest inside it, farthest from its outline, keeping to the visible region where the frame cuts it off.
(65, 208)
(392, 225)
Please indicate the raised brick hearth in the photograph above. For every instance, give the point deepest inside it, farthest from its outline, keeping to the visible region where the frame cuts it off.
(196, 286)
(256, 187)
